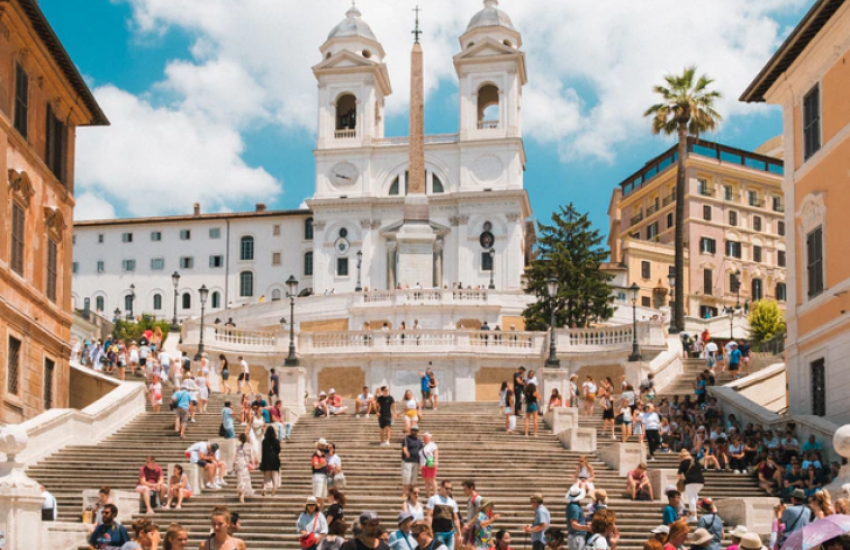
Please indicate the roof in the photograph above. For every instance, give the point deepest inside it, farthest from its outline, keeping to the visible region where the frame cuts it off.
(490, 16)
(353, 25)
(191, 217)
(62, 59)
(813, 22)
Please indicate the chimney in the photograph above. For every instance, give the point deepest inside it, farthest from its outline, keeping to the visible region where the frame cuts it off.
(197, 207)
(261, 207)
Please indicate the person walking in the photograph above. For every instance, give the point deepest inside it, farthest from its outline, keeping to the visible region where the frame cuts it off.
(424, 536)
(443, 516)
(796, 516)
(711, 522)
(473, 506)
(429, 462)
(481, 530)
(589, 395)
(508, 411)
(109, 534)
(386, 413)
(412, 411)
(413, 506)
(335, 476)
(402, 538)
(691, 473)
(311, 525)
(181, 400)
(319, 465)
(411, 446)
(532, 407)
(519, 390)
(224, 367)
(145, 536)
(577, 528)
(243, 464)
(370, 536)
(542, 520)
(671, 512)
(270, 462)
(652, 424)
(336, 508)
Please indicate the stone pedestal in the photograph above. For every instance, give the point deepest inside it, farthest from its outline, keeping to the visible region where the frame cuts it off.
(580, 440)
(623, 457)
(293, 386)
(560, 419)
(660, 480)
(416, 253)
(197, 478)
(755, 513)
(127, 502)
(20, 511)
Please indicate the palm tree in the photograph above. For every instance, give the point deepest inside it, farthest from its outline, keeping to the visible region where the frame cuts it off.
(687, 108)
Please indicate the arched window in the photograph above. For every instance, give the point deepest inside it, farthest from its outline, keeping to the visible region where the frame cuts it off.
(216, 299)
(99, 304)
(246, 284)
(346, 116)
(488, 107)
(436, 184)
(756, 290)
(187, 300)
(246, 248)
(157, 302)
(308, 264)
(394, 186)
(308, 229)
(128, 303)
(276, 295)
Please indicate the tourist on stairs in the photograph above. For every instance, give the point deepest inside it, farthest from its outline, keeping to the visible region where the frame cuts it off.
(652, 424)
(555, 539)
(243, 464)
(411, 446)
(224, 366)
(577, 528)
(606, 400)
(335, 538)
(585, 475)
(311, 525)
(555, 400)
(336, 508)
(482, 528)
(220, 538)
(206, 456)
(691, 473)
(542, 520)
(673, 511)
(508, 411)
(362, 403)
(386, 413)
(178, 488)
(425, 537)
(319, 465)
(335, 476)
(402, 539)
(145, 536)
(532, 407)
(519, 390)
(413, 506)
(424, 388)
(711, 522)
(796, 516)
(371, 536)
(473, 507)
(176, 538)
(270, 462)
(700, 540)
(637, 483)
(443, 516)
(412, 411)
(433, 388)
(604, 532)
(589, 389)
(150, 482)
(678, 534)
(180, 403)
(108, 534)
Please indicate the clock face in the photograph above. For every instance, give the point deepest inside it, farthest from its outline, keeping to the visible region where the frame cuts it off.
(342, 245)
(344, 174)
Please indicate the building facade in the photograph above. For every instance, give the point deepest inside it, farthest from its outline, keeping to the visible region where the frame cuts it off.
(43, 99)
(809, 77)
(734, 228)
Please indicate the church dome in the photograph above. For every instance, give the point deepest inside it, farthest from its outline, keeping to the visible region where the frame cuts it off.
(490, 16)
(353, 25)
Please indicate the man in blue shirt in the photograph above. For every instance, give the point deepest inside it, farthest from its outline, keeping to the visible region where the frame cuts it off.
(542, 520)
(108, 534)
(734, 360)
(402, 539)
(671, 511)
(577, 527)
(796, 516)
(181, 400)
(425, 388)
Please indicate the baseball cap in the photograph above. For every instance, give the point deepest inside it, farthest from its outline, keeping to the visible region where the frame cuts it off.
(404, 516)
(368, 516)
(661, 529)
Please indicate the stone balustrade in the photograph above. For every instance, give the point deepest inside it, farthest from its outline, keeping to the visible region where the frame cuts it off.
(424, 341)
(422, 297)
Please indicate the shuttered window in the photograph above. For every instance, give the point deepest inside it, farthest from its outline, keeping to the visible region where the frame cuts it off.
(707, 281)
(814, 261)
(811, 122)
(52, 269)
(18, 234)
(56, 145)
(21, 100)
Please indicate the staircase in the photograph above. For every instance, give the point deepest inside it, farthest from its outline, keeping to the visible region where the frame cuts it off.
(473, 445)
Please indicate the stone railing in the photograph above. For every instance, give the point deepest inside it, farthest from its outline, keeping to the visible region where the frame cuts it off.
(422, 341)
(404, 140)
(245, 337)
(422, 296)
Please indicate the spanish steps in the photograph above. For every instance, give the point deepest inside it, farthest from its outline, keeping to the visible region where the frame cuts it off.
(473, 445)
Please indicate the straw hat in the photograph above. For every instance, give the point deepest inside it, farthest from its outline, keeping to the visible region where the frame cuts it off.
(751, 541)
(700, 537)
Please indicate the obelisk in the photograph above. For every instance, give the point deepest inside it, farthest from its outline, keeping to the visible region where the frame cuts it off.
(416, 238)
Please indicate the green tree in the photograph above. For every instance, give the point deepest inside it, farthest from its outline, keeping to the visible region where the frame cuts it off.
(766, 321)
(128, 330)
(569, 250)
(686, 108)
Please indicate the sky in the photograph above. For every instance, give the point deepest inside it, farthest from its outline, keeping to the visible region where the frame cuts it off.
(213, 101)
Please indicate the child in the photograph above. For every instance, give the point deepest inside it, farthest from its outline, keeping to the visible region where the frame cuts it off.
(709, 456)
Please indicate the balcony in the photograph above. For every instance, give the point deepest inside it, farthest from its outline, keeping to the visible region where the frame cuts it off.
(778, 207)
(345, 134)
(405, 140)
(637, 219)
(488, 125)
(651, 210)
(668, 199)
(705, 190)
(757, 203)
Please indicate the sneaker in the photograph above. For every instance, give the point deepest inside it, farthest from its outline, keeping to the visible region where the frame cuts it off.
(356, 416)
(220, 482)
(718, 470)
(652, 459)
(212, 486)
(736, 472)
(192, 420)
(178, 507)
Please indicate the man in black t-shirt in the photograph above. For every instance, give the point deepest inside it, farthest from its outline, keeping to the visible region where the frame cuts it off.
(519, 390)
(369, 537)
(386, 413)
(410, 448)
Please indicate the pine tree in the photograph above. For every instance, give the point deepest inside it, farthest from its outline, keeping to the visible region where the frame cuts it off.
(766, 321)
(571, 251)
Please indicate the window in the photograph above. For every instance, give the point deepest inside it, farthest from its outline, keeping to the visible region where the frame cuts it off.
(651, 231)
(187, 262)
(734, 283)
(18, 234)
(126, 237)
(157, 264)
(99, 303)
(756, 291)
(727, 192)
(437, 185)
(22, 81)
(733, 218)
(780, 229)
(486, 261)
(100, 266)
(636, 236)
(275, 258)
(707, 281)
(757, 254)
(814, 261)
(488, 107)
(645, 301)
(308, 264)
(13, 365)
(100, 238)
(215, 232)
(811, 122)
(645, 268)
(276, 230)
(128, 302)
(185, 234)
(75, 267)
(706, 213)
(156, 236)
(733, 249)
(308, 229)
(187, 301)
(703, 188)
(757, 223)
(394, 187)
(669, 220)
(216, 260)
(342, 267)
(55, 144)
(346, 116)
(157, 302)
(707, 246)
(246, 284)
(780, 258)
(781, 292)
(246, 248)
(777, 204)
(276, 295)
(128, 265)
(52, 269)
(819, 387)
(216, 299)
(753, 198)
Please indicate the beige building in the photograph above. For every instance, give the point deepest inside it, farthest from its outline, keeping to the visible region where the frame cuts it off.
(735, 230)
(809, 78)
(43, 99)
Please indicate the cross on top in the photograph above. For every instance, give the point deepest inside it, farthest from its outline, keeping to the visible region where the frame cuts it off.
(416, 31)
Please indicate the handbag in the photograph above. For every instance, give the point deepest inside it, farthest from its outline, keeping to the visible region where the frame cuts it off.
(429, 461)
(221, 431)
(309, 540)
(339, 481)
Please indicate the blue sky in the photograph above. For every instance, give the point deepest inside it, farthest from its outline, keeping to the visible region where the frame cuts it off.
(163, 70)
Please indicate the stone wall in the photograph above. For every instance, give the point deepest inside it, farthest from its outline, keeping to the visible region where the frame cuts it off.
(325, 325)
(86, 389)
(347, 381)
(488, 382)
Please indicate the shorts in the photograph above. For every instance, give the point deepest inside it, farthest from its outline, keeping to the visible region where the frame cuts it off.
(531, 408)
(183, 415)
(411, 414)
(426, 394)
(225, 374)
(188, 494)
(590, 397)
(508, 410)
(203, 463)
(141, 488)
(429, 472)
(335, 410)
(385, 421)
(143, 361)
(734, 366)
(607, 414)
(246, 376)
(409, 470)
(320, 485)
(435, 392)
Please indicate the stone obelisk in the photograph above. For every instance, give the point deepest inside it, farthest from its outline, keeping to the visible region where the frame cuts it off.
(416, 238)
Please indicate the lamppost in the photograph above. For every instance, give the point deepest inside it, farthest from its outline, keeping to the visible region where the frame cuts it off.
(738, 289)
(635, 356)
(492, 253)
(552, 288)
(117, 314)
(292, 290)
(671, 278)
(731, 312)
(203, 293)
(359, 288)
(175, 280)
(130, 316)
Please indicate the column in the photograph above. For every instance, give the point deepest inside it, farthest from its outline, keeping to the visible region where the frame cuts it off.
(438, 263)
(392, 246)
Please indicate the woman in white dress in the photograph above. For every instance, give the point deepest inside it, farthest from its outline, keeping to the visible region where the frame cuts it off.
(203, 391)
(255, 430)
(243, 465)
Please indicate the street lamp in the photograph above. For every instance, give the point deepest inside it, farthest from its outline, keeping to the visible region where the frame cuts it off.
(130, 316)
(492, 253)
(117, 313)
(552, 288)
(175, 280)
(671, 278)
(292, 290)
(203, 293)
(738, 289)
(635, 356)
(359, 288)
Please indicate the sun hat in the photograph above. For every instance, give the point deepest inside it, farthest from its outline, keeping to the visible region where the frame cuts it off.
(537, 497)
(799, 493)
(739, 531)
(322, 394)
(700, 536)
(331, 390)
(485, 503)
(575, 494)
(661, 529)
(404, 516)
(414, 428)
(751, 541)
(322, 441)
(311, 500)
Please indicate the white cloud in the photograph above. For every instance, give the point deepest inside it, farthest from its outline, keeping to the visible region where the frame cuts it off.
(156, 160)
(92, 207)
